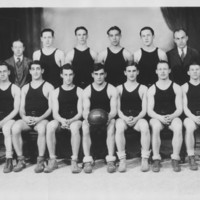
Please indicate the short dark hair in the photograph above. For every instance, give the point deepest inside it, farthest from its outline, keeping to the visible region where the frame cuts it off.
(80, 28)
(114, 28)
(47, 30)
(5, 64)
(36, 62)
(147, 28)
(66, 66)
(180, 29)
(193, 63)
(133, 63)
(163, 62)
(98, 66)
(18, 40)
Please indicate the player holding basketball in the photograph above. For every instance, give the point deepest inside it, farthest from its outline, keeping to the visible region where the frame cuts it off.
(99, 94)
(191, 106)
(132, 107)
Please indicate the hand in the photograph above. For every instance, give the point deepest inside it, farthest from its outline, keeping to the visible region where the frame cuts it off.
(65, 123)
(29, 120)
(133, 121)
(197, 120)
(164, 119)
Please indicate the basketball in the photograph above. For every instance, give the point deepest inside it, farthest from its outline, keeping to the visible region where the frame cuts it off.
(98, 117)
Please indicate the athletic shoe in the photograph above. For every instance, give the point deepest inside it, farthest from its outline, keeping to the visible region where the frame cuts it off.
(20, 164)
(40, 165)
(122, 165)
(176, 166)
(52, 165)
(8, 167)
(144, 165)
(74, 167)
(192, 163)
(111, 167)
(156, 166)
(88, 167)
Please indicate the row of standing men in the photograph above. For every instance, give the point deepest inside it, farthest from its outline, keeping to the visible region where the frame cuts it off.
(131, 101)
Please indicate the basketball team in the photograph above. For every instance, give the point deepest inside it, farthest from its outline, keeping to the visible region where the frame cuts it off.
(147, 91)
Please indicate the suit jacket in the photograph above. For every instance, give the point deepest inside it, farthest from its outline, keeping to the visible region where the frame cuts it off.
(25, 67)
(179, 68)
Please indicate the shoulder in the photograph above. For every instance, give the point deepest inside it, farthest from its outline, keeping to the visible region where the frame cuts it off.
(103, 53)
(171, 51)
(127, 54)
(111, 88)
(93, 54)
(9, 60)
(25, 88)
(192, 50)
(143, 88)
(48, 86)
(37, 52)
(59, 52)
(15, 88)
(87, 90)
(151, 90)
(176, 87)
(79, 91)
(185, 87)
(161, 54)
(137, 55)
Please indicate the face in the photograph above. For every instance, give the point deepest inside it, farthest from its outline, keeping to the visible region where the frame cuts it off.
(81, 36)
(4, 73)
(67, 76)
(131, 73)
(47, 39)
(194, 72)
(99, 76)
(147, 37)
(36, 71)
(180, 38)
(114, 37)
(163, 71)
(18, 48)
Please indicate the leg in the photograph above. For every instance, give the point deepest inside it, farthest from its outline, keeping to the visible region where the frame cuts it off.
(156, 127)
(8, 144)
(120, 143)
(75, 143)
(176, 127)
(52, 127)
(190, 127)
(110, 158)
(143, 127)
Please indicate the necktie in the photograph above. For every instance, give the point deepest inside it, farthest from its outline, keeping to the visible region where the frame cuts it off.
(182, 54)
(18, 62)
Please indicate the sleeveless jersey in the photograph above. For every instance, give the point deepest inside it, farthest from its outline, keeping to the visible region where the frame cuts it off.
(193, 96)
(131, 103)
(83, 66)
(51, 69)
(6, 102)
(68, 100)
(147, 67)
(36, 103)
(115, 65)
(165, 100)
(99, 99)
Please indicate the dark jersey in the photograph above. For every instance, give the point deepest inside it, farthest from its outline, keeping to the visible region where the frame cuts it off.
(68, 100)
(115, 65)
(193, 96)
(100, 99)
(83, 66)
(131, 103)
(147, 67)
(36, 104)
(6, 102)
(165, 100)
(51, 69)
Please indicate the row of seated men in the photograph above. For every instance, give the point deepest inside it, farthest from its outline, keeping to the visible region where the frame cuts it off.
(115, 58)
(126, 105)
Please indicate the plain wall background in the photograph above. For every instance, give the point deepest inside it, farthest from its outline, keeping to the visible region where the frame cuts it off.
(98, 20)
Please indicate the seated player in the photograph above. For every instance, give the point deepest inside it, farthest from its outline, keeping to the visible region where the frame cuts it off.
(9, 107)
(191, 106)
(67, 112)
(132, 107)
(164, 108)
(99, 94)
(34, 109)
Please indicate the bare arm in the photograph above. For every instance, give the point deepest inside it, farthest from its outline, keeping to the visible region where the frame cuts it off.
(60, 58)
(128, 56)
(86, 102)
(36, 55)
(102, 56)
(94, 55)
(162, 55)
(69, 57)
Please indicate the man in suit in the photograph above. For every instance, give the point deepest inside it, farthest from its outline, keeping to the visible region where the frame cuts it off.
(19, 63)
(181, 57)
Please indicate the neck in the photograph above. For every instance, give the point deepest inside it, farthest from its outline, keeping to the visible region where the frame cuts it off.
(81, 46)
(99, 85)
(163, 81)
(195, 81)
(35, 81)
(131, 82)
(149, 48)
(67, 86)
(115, 47)
(4, 82)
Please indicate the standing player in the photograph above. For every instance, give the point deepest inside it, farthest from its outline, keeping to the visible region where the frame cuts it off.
(115, 58)
(34, 110)
(82, 58)
(51, 57)
(67, 111)
(164, 108)
(148, 57)
(99, 94)
(9, 107)
(132, 107)
(191, 106)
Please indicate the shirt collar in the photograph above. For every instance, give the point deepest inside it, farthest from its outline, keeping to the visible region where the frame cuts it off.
(15, 58)
(180, 50)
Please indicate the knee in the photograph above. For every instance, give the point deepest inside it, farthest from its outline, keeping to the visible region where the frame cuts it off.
(75, 128)
(51, 127)
(41, 130)
(6, 131)
(144, 126)
(16, 129)
(85, 128)
(156, 126)
(120, 127)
